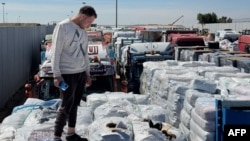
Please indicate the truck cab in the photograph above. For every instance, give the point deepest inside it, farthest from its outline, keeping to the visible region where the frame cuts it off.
(244, 41)
(227, 39)
(229, 34)
(119, 44)
(184, 38)
(101, 68)
(133, 56)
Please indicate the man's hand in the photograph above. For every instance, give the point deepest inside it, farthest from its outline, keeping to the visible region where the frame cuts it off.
(88, 81)
(57, 80)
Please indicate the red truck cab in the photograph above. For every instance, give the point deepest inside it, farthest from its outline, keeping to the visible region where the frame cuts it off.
(184, 38)
(244, 41)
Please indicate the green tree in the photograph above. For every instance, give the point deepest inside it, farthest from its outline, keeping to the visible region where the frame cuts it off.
(207, 18)
(224, 19)
(211, 18)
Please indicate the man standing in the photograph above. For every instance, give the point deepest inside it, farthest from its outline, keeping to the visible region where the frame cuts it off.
(70, 64)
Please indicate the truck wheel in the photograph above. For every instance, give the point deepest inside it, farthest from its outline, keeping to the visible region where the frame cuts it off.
(247, 48)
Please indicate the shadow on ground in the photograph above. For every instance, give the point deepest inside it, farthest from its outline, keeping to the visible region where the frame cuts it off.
(17, 99)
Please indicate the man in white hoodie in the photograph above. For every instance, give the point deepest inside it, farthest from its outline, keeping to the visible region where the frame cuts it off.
(70, 64)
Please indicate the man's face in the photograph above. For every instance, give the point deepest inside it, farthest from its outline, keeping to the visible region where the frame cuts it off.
(86, 21)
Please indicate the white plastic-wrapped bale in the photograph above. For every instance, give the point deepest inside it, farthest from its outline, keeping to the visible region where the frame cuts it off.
(192, 95)
(85, 117)
(195, 64)
(142, 132)
(118, 108)
(194, 137)
(205, 57)
(238, 98)
(204, 85)
(224, 69)
(16, 120)
(214, 76)
(133, 98)
(162, 83)
(146, 76)
(185, 118)
(185, 55)
(202, 134)
(153, 112)
(7, 133)
(185, 131)
(173, 115)
(110, 129)
(224, 82)
(171, 133)
(175, 105)
(206, 125)
(148, 72)
(244, 65)
(35, 115)
(96, 99)
(216, 57)
(187, 106)
(155, 85)
(170, 80)
(239, 88)
(231, 60)
(205, 107)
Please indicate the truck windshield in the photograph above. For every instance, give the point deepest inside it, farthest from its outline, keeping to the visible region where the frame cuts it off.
(231, 37)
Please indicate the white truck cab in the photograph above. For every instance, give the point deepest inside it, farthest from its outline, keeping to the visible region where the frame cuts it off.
(226, 33)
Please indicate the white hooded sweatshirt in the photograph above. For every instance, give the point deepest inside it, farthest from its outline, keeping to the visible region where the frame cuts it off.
(69, 49)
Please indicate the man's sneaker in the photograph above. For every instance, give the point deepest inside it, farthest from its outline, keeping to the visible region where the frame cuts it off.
(75, 137)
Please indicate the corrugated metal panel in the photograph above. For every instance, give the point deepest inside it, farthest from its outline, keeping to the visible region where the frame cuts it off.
(19, 56)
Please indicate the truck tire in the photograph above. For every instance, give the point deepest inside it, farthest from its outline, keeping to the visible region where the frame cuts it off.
(247, 48)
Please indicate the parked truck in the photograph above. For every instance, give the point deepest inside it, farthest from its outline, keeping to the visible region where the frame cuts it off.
(244, 41)
(119, 44)
(133, 56)
(102, 70)
(182, 38)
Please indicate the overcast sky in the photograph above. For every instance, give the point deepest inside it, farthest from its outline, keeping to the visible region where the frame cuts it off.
(129, 11)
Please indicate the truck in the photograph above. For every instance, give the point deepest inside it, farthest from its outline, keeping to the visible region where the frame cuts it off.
(101, 68)
(121, 42)
(228, 39)
(182, 38)
(244, 41)
(134, 55)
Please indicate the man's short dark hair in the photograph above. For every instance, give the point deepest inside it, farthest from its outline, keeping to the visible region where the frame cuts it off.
(88, 10)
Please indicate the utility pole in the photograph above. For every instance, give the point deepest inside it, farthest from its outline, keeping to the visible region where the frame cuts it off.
(3, 11)
(6, 17)
(116, 11)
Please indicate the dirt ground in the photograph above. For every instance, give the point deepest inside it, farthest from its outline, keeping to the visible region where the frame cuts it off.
(17, 99)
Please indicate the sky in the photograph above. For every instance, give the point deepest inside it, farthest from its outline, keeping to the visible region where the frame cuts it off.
(129, 12)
